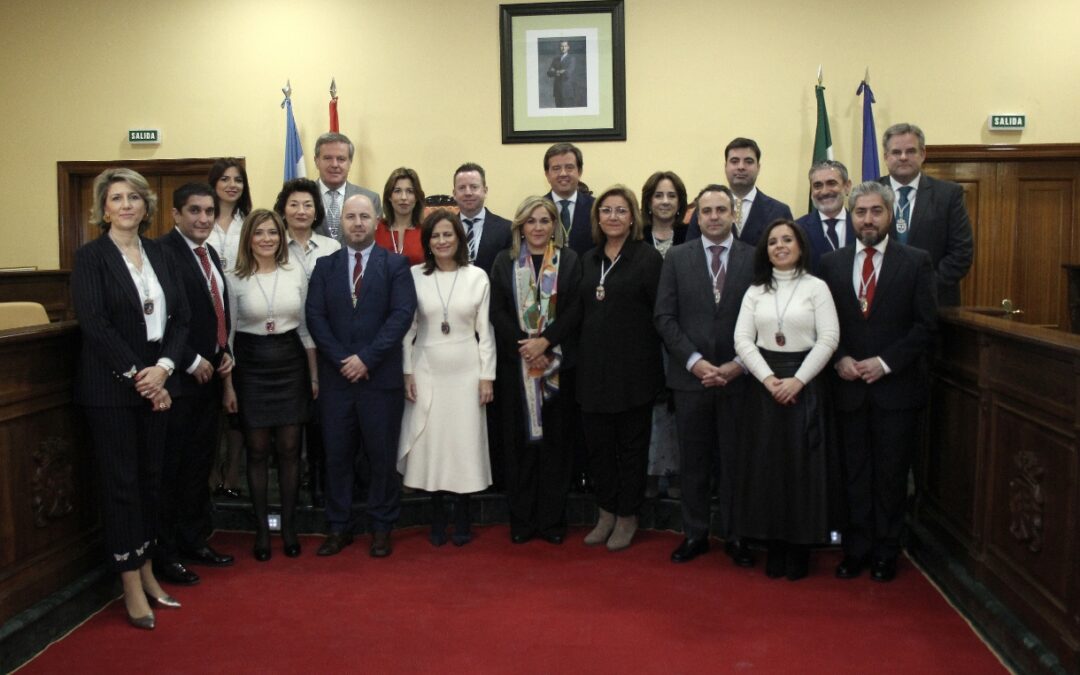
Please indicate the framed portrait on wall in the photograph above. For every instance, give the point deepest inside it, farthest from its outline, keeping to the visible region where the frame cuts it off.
(563, 72)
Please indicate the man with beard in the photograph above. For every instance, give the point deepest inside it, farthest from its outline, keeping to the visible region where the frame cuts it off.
(886, 304)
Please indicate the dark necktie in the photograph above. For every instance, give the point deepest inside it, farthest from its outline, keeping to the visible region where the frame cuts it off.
(903, 213)
(564, 216)
(869, 281)
(357, 276)
(830, 232)
(333, 215)
(219, 306)
(718, 271)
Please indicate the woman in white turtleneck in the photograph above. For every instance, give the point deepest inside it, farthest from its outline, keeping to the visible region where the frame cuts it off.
(789, 470)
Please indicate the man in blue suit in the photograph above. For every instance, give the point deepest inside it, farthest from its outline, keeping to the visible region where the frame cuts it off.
(754, 209)
(562, 167)
(828, 226)
(361, 301)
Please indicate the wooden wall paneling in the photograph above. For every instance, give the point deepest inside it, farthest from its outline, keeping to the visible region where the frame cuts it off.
(51, 288)
(1043, 244)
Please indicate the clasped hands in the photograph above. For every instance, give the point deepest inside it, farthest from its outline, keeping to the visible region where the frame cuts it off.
(150, 383)
(785, 391)
(868, 370)
(534, 351)
(715, 376)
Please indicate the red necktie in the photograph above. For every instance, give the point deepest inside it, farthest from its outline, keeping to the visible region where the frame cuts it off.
(357, 275)
(869, 279)
(219, 307)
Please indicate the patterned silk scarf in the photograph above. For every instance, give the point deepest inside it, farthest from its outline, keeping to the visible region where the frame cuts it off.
(536, 295)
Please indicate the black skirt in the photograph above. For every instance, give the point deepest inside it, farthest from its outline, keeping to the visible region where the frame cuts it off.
(271, 378)
(788, 487)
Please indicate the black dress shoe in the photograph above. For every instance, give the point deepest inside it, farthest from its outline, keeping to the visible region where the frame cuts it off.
(850, 567)
(176, 573)
(204, 555)
(553, 538)
(740, 553)
(380, 545)
(883, 569)
(776, 561)
(292, 550)
(334, 543)
(227, 492)
(690, 549)
(798, 562)
(521, 537)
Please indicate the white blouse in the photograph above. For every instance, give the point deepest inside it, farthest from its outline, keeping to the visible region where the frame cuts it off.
(318, 246)
(251, 299)
(227, 244)
(810, 323)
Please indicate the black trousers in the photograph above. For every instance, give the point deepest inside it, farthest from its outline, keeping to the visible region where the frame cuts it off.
(538, 472)
(619, 457)
(128, 447)
(189, 454)
(708, 428)
(877, 446)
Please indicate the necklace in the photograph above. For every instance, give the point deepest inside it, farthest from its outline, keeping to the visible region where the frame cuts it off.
(780, 339)
(446, 303)
(144, 281)
(600, 293)
(398, 247)
(271, 324)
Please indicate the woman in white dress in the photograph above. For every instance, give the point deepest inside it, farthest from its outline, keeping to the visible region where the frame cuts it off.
(449, 377)
(785, 335)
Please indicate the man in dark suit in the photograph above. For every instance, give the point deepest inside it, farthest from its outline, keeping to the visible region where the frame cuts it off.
(333, 158)
(754, 209)
(884, 294)
(193, 426)
(562, 167)
(929, 214)
(701, 288)
(562, 71)
(485, 232)
(361, 301)
(828, 226)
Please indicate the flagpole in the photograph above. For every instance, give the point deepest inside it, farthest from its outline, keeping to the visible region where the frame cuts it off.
(333, 106)
(294, 153)
(823, 149)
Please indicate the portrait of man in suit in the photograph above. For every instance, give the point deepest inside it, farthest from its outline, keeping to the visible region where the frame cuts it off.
(885, 302)
(702, 284)
(929, 213)
(333, 158)
(361, 301)
(567, 78)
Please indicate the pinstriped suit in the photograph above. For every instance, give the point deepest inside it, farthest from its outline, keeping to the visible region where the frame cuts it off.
(128, 436)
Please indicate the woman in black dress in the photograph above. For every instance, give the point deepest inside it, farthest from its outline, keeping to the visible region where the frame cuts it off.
(620, 371)
(275, 377)
(536, 312)
(133, 319)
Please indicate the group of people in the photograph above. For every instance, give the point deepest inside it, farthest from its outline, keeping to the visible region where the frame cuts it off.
(346, 325)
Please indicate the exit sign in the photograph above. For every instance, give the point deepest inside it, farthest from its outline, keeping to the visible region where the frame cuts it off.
(1008, 122)
(144, 136)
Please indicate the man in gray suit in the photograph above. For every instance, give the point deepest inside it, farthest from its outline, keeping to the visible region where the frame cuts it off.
(333, 157)
(702, 285)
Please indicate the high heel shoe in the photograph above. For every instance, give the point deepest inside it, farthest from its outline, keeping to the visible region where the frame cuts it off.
(164, 601)
(143, 622)
(292, 550)
(262, 546)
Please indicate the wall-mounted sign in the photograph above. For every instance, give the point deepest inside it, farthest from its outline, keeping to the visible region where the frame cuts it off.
(1007, 122)
(144, 136)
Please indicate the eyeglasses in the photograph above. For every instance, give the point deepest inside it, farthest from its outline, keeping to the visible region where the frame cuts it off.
(620, 211)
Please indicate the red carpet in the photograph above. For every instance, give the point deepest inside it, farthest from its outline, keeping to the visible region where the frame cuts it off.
(493, 607)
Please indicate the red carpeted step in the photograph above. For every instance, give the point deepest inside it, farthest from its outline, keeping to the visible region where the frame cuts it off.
(495, 607)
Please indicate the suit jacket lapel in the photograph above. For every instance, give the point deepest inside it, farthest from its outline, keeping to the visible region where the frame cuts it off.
(193, 263)
(924, 201)
(114, 260)
(890, 264)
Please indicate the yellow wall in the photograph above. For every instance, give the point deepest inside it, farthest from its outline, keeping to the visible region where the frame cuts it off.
(419, 86)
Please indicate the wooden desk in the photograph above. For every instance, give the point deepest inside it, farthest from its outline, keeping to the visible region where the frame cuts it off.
(50, 531)
(49, 287)
(999, 476)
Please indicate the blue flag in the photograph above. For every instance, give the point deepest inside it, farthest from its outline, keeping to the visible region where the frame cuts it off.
(294, 154)
(871, 170)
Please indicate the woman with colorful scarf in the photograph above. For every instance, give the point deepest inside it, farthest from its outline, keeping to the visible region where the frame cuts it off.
(536, 312)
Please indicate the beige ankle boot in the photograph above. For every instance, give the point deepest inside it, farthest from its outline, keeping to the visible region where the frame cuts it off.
(625, 527)
(602, 531)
